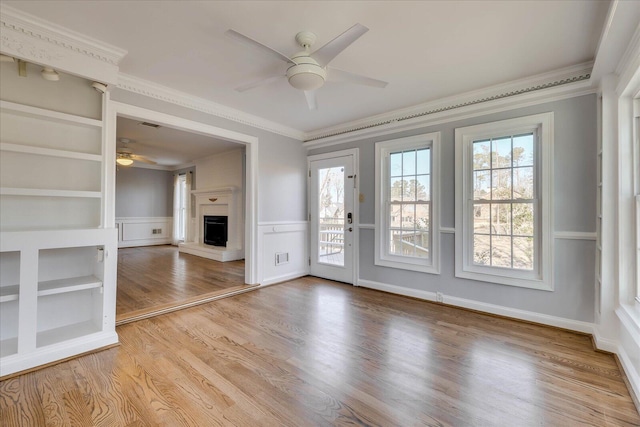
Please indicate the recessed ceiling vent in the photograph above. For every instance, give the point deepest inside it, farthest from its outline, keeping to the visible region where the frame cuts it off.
(151, 125)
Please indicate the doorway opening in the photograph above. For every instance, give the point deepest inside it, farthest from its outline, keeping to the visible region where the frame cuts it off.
(154, 277)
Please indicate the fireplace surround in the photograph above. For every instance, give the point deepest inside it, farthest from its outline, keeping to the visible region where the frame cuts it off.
(216, 202)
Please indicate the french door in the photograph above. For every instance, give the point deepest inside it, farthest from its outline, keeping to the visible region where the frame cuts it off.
(332, 190)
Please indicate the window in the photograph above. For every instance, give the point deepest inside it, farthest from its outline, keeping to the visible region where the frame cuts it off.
(503, 202)
(182, 207)
(407, 210)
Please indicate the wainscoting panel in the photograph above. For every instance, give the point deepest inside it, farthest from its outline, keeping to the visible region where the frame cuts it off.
(145, 231)
(283, 246)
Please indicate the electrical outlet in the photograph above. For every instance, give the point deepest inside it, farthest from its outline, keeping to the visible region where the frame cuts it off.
(439, 297)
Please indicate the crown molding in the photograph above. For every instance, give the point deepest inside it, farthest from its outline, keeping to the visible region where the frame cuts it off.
(559, 84)
(163, 93)
(35, 40)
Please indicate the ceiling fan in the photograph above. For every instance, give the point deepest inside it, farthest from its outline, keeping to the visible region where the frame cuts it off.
(308, 70)
(125, 157)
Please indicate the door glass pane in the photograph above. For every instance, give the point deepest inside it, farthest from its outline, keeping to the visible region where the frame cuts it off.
(331, 216)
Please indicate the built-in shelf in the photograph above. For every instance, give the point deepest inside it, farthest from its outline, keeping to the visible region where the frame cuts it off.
(8, 347)
(9, 293)
(73, 284)
(65, 333)
(38, 192)
(28, 149)
(27, 110)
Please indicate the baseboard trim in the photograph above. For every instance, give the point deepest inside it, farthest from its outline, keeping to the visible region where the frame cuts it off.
(146, 242)
(631, 378)
(283, 278)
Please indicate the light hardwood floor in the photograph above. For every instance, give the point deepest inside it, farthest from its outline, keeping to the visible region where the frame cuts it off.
(157, 277)
(312, 352)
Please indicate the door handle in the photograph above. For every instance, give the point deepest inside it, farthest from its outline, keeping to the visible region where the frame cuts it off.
(350, 228)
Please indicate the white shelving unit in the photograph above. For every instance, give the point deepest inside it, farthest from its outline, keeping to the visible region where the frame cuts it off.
(57, 259)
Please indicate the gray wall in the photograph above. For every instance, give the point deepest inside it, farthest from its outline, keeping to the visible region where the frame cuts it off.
(144, 193)
(574, 210)
(281, 160)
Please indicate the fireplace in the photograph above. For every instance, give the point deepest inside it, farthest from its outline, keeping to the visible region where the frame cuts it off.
(215, 230)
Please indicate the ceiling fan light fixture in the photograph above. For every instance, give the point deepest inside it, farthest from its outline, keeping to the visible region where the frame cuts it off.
(124, 160)
(307, 75)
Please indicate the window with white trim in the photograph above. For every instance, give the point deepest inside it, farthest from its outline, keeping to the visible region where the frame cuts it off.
(503, 202)
(407, 209)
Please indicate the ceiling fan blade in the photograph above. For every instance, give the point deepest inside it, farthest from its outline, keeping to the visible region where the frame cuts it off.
(336, 75)
(326, 53)
(251, 42)
(143, 159)
(256, 83)
(312, 102)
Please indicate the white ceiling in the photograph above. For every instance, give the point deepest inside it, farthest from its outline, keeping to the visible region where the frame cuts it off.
(425, 50)
(166, 146)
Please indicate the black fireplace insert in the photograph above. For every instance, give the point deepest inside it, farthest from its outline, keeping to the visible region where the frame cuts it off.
(215, 230)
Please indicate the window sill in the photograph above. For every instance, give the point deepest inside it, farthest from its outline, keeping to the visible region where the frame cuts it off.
(505, 280)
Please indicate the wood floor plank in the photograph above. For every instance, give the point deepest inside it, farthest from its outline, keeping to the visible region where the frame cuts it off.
(312, 353)
(157, 276)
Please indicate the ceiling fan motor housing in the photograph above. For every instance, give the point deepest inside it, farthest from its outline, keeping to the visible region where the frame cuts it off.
(307, 74)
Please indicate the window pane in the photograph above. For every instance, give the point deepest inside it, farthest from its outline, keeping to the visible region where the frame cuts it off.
(523, 253)
(523, 219)
(395, 242)
(501, 184)
(422, 217)
(501, 153)
(482, 185)
(501, 219)
(395, 164)
(424, 161)
(409, 190)
(395, 220)
(481, 218)
(481, 154)
(396, 190)
(523, 183)
(409, 162)
(501, 251)
(523, 150)
(422, 245)
(408, 216)
(482, 250)
(423, 188)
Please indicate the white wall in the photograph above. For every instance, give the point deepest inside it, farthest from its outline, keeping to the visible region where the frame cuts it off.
(143, 192)
(220, 170)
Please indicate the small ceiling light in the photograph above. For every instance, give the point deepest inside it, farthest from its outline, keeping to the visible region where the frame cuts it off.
(100, 87)
(50, 74)
(124, 161)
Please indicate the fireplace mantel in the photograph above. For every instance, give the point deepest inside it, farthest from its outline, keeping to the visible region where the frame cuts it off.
(220, 201)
